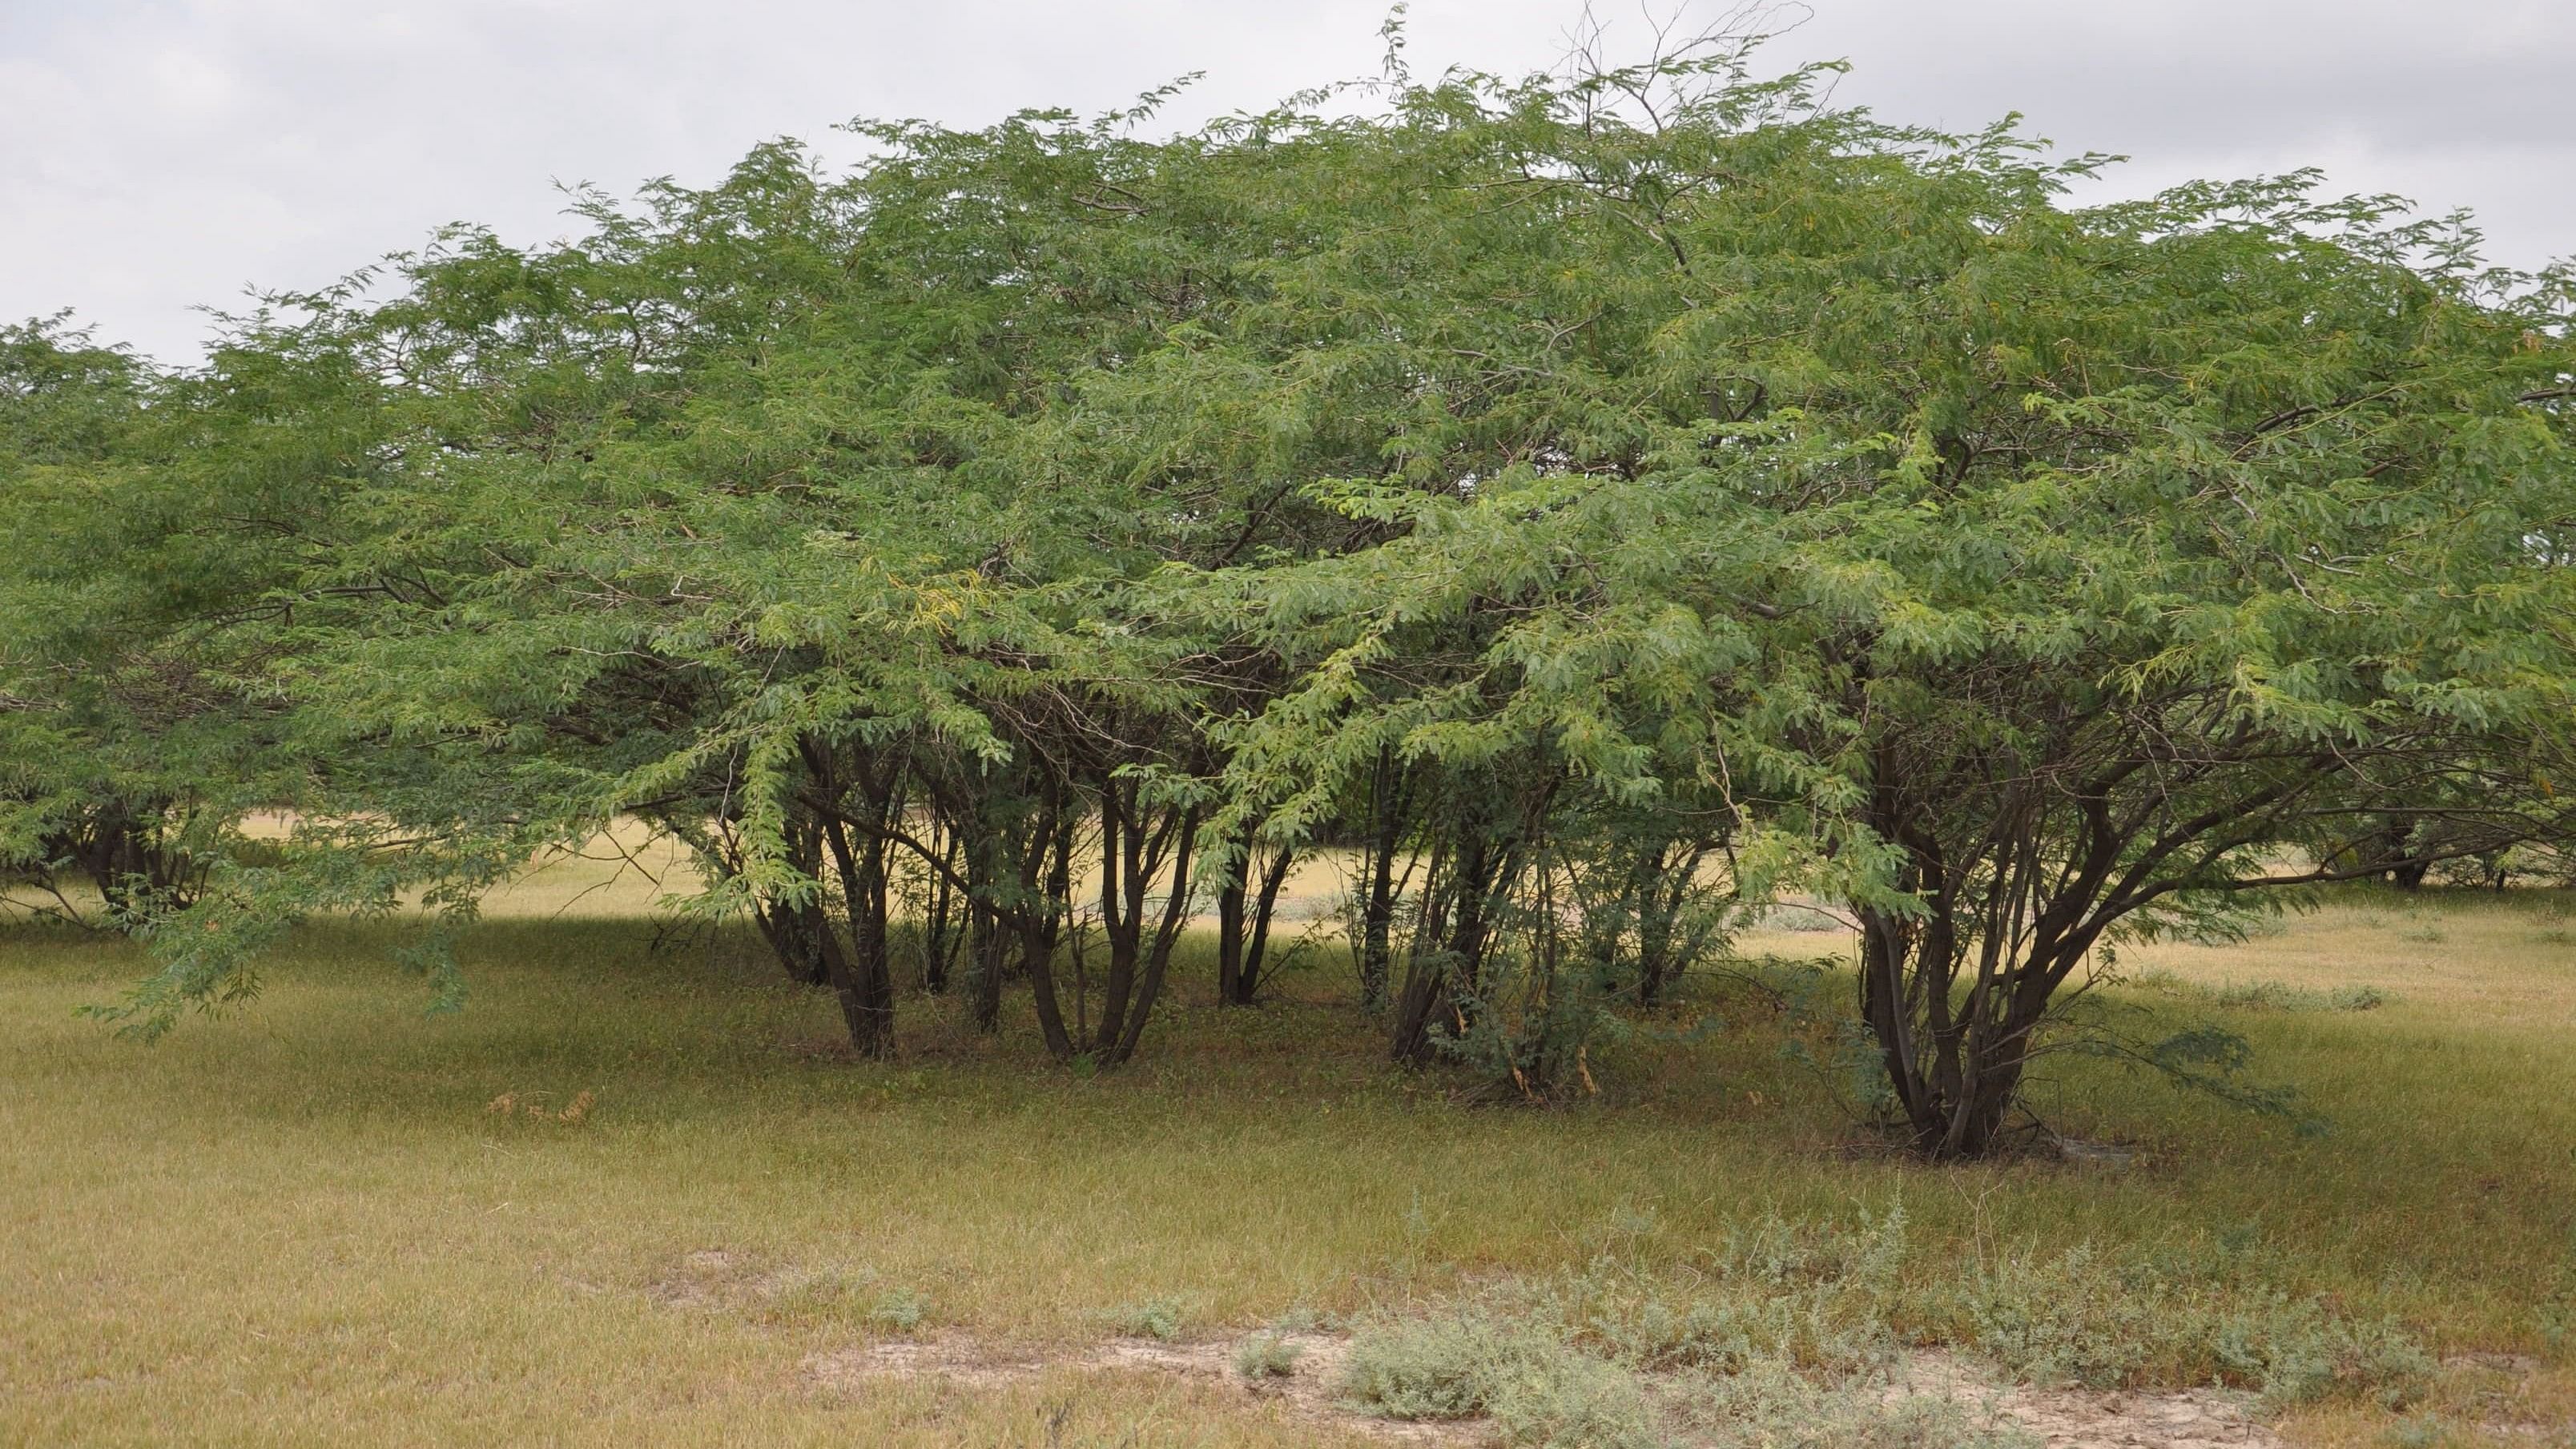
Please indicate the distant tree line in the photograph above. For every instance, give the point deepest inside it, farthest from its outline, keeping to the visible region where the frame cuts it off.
(1592, 506)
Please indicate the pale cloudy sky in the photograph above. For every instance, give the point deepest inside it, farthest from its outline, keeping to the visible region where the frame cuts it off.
(160, 154)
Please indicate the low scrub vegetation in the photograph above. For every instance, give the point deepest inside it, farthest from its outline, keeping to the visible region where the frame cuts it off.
(1800, 1317)
(2272, 995)
(1267, 1355)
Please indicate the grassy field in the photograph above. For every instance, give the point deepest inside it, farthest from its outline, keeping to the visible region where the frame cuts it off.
(303, 1222)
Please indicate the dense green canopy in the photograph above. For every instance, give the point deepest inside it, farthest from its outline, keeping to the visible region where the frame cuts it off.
(1600, 505)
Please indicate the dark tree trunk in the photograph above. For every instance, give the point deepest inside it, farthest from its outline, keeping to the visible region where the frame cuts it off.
(1265, 909)
(1040, 920)
(2393, 855)
(1426, 975)
(864, 981)
(119, 847)
(984, 962)
(986, 939)
(1955, 1079)
(1377, 913)
(941, 911)
(1135, 848)
(795, 936)
(1158, 959)
(1232, 902)
(1435, 979)
(1004, 865)
(862, 976)
(1122, 851)
(1660, 885)
(794, 931)
(1243, 917)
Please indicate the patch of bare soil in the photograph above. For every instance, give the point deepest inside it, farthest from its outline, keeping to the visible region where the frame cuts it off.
(2062, 1418)
(1305, 1391)
(2097, 1419)
(699, 1280)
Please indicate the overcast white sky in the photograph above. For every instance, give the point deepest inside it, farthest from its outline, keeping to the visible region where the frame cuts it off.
(160, 154)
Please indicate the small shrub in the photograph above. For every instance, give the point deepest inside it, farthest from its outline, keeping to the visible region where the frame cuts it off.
(1567, 1400)
(1300, 1317)
(2303, 1353)
(1530, 1027)
(2555, 1317)
(1777, 1252)
(2251, 995)
(2079, 1320)
(1655, 1334)
(2426, 1431)
(902, 1310)
(1156, 1318)
(1769, 1407)
(1436, 1368)
(2067, 1321)
(1538, 1390)
(1267, 1355)
(2278, 996)
(1818, 1293)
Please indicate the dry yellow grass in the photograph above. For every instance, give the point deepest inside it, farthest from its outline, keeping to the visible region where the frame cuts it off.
(301, 1223)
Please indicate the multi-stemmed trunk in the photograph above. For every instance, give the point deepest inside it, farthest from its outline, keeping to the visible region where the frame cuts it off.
(1657, 891)
(122, 848)
(798, 929)
(1010, 903)
(1140, 844)
(860, 974)
(1387, 800)
(1449, 949)
(1243, 915)
(1037, 920)
(796, 934)
(1955, 1069)
(944, 907)
(1137, 841)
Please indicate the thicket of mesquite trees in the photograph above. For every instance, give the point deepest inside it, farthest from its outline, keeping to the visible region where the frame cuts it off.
(1591, 506)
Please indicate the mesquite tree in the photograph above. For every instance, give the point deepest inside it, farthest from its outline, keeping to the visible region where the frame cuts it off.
(142, 517)
(2024, 575)
(1603, 501)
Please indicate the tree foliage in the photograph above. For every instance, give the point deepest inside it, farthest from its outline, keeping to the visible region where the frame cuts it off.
(1598, 504)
